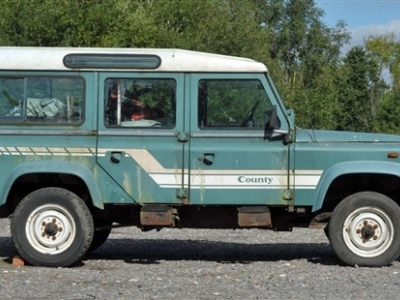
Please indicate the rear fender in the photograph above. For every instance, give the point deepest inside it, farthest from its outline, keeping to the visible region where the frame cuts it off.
(54, 167)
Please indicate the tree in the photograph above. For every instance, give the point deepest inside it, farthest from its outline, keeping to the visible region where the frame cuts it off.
(388, 119)
(307, 53)
(353, 95)
(385, 51)
(302, 53)
(57, 23)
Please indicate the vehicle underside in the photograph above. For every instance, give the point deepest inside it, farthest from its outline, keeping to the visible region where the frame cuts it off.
(149, 217)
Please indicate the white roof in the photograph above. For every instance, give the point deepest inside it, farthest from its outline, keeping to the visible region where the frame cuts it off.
(172, 60)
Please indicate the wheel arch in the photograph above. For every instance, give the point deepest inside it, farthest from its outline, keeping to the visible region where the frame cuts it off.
(363, 172)
(53, 167)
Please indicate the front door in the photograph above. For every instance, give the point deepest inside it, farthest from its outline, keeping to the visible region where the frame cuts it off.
(231, 161)
(138, 143)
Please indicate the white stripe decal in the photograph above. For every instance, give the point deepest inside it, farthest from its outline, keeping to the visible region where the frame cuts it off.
(222, 179)
(43, 151)
(199, 179)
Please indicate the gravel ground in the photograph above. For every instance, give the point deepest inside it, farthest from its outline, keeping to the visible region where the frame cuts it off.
(200, 264)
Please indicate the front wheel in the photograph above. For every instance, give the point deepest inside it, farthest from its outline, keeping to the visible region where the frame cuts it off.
(52, 227)
(364, 230)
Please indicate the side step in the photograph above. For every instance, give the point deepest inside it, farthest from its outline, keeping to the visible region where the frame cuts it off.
(157, 215)
(254, 216)
(165, 216)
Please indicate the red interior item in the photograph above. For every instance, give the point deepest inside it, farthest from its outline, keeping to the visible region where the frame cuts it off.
(137, 116)
(148, 114)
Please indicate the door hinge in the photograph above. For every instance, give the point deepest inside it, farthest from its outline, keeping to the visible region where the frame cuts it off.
(182, 137)
(181, 193)
(287, 195)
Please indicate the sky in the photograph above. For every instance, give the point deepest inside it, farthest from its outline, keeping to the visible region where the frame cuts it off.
(363, 17)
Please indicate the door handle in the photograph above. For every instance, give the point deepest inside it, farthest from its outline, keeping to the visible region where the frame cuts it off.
(116, 157)
(207, 158)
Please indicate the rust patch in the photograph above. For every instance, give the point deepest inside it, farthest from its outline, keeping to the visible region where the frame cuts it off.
(156, 216)
(254, 216)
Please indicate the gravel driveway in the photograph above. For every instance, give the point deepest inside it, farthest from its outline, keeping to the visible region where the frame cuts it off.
(201, 264)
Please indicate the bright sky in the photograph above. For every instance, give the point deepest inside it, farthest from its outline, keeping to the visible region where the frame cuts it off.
(363, 17)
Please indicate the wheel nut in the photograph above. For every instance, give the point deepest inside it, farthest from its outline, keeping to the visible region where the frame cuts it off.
(365, 222)
(60, 229)
(375, 237)
(53, 238)
(375, 226)
(358, 230)
(54, 220)
(43, 234)
(43, 223)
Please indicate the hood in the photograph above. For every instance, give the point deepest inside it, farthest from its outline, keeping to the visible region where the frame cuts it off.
(303, 135)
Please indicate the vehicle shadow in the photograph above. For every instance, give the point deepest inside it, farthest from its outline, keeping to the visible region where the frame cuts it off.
(152, 251)
(7, 249)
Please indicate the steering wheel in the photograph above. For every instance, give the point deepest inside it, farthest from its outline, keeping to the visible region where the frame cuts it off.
(250, 114)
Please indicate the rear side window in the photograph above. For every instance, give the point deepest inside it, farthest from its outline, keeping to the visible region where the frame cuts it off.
(140, 102)
(41, 100)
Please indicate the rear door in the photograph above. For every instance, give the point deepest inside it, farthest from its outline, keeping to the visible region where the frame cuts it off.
(231, 162)
(139, 129)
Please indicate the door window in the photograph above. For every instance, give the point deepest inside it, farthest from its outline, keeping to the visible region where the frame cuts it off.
(232, 104)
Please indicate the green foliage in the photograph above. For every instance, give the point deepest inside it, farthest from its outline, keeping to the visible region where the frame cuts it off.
(353, 91)
(388, 114)
(303, 54)
(57, 23)
(308, 56)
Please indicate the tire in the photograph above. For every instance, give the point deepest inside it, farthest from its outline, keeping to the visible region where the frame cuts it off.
(100, 236)
(364, 230)
(52, 227)
(326, 231)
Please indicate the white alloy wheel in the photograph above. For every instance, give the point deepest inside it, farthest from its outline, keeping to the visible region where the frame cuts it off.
(368, 231)
(50, 229)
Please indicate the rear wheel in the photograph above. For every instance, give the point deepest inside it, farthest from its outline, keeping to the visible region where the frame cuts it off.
(326, 231)
(101, 233)
(364, 230)
(52, 227)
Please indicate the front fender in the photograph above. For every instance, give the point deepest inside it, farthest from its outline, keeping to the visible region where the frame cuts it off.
(54, 167)
(344, 168)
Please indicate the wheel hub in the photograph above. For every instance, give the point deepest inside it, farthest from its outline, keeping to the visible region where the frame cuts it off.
(51, 229)
(368, 231)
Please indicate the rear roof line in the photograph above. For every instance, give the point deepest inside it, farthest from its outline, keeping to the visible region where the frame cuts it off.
(172, 60)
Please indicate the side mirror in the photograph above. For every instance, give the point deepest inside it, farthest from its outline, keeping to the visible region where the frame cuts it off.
(272, 124)
(273, 120)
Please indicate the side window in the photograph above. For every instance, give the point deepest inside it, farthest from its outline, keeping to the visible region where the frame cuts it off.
(140, 102)
(11, 98)
(41, 99)
(240, 104)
